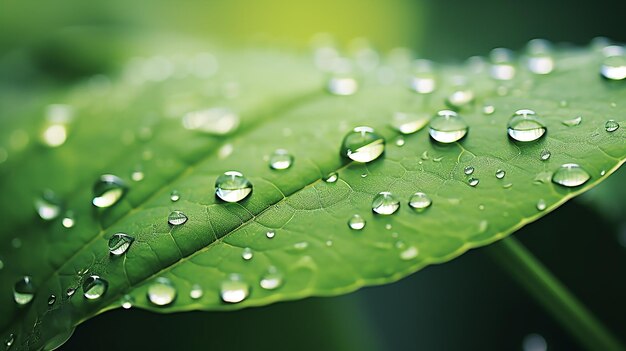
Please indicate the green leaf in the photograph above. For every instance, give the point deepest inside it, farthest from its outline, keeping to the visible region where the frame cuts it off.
(133, 123)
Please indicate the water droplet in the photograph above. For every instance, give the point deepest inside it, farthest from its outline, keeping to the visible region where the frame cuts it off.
(400, 141)
(409, 123)
(447, 127)
(573, 121)
(175, 196)
(362, 144)
(301, 245)
(388, 226)
(215, 121)
(356, 222)
(385, 203)
(541, 204)
(119, 243)
(70, 292)
(331, 177)
(127, 302)
(468, 170)
(48, 206)
(420, 201)
(603, 172)
(108, 190)
(247, 254)
(524, 126)
(270, 234)
(232, 186)
(1, 264)
(409, 253)
(234, 290)
(545, 155)
(502, 67)
(51, 300)
(614, 67)
(342, 84)
(94, 287)
(281, 159)
(24, 291)
(437, 159)
(54, 135)
(534, 342)
(489, 109)
(161, 292)
(460, 97)
(137, 176)
(500, 173)
(68, 220)
(570, 175)
(176, 218)
(196, 292)
(272, 279)
(473, 181)
(423, 80)
(611, 126)
(9, 341)
(540, 63)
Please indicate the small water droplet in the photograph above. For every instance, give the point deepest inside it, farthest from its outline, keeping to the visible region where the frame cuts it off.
(614, 67)
(342, 84)
(232, 186)
(420, 201)
(473, 181)
(388, 226)
(502, 67)
(331, 177)
(447, 127)
(540, 63)
(424, 155)
(489, 109)
(272, 279)
(362, 144)
(408, 122)
(611, 126)
(137, 176)
(94, 287)
(196, 292)
(468, 170)
(460, 97)
(176, 218)
(281, 159)
(70, 292)
(545, 155)
(51, 300)
(481, 207)
(541, 204)
(573, 121)
(301, 245)
(127, 302)
(363, 175)
(48, 206)
(247, 254)
(161, 292)
(68, 220)
(570, 175)
(119, 243)
(270, 234)
(385, 203)
(437, 159)
(500, 173)
(9, 341)
(400, 141)
(215, 121)
(24, 291)
(423, 79)
(174, 196)
(524, 126)
(356, 222)
(603, 172)
(409, 253)
(234, 289)
(108, 190)
(507, 185)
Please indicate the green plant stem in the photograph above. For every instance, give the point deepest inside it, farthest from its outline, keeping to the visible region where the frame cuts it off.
(553, 295)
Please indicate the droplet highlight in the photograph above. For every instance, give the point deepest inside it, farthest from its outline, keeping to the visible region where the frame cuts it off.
(108, 190)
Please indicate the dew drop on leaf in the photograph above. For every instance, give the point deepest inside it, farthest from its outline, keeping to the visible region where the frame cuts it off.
(409, 253)
(174, 196)
(447, 127)
(48, 205)
(489, 109)
(525, 126)
(51, 300)
(331, 177)
(270, 234)
(196, 292)
(108, 190)
(356, 222)
(611, 126)
(570, 175)
(423, 79)
(234, 289)
(541, 204)
(24, 291)
(460, 96)
(215, 121)
(272, 279)
(247, 254)
(161, 292)
(362, 144)
(385, 203)
(9, 341)
(70, 292)
(176, 218)
(281, 159)
(94, 287)
(409, 122)
(127, 302)
(572, 122)
(502, 67)
(614, 67)
(468, 170)
(68, 220)
(232, 186)
(545, 155)
(500, 173)
(137, 176)
(473, 181)
(420, 201)
(54, 135)
(119, 243)
(399, 141)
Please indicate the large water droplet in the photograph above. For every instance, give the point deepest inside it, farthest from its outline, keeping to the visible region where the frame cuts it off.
(362, 144)
(500, 173)
(545, 155)
(196, 292)
(174, 196)
(356, 222)
(108, 190)
(232, 186)
(161, 292)
(525, 126)
(473, 181)
(420, 201)
(176, 218)
(127, 302)
(468, 170)
(48, 206)
(119, 243)
(24, 291)
(570, 175)
(447, 127)
(247, 254)
(281, 159)
(541, 204)
(216, 121)
(234, 289)
(611, 126)
(331, 177)
(385, 203)
(540, 60)
(94, 287)
(572, 122)
(272, 279)
(614, 67)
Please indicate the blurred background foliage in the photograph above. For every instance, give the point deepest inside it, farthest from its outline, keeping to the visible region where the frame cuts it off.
(467, 304)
